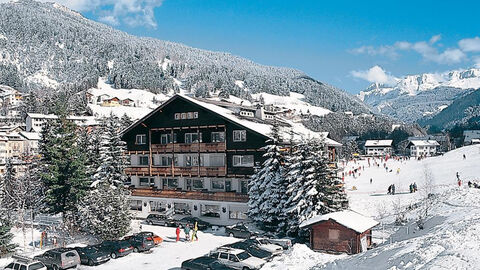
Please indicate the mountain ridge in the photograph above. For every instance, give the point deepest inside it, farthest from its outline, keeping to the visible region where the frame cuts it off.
(47, 46)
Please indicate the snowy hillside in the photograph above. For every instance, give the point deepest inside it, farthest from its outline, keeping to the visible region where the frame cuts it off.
(451, 232)
(45, 46)
(416, 96)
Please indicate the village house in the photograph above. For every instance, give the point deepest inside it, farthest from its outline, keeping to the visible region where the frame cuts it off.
(35, 121)
(378, 147)
(471, 137)
(196, 157)
(422, 148)
(340, 232)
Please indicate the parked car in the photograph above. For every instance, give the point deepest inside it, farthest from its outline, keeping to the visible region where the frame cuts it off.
(159, 219)
(140, 242)
(59, 258)
(91, 255)
(22, 262)
(157, 240)
(204, 263)
(116, 248)
(252, 249)
(285, 243)
(265, 245)
(241, 230)
(237, 258)
(202, 225)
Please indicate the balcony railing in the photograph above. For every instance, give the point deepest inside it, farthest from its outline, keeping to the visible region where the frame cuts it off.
(190, 195)
(189, 147)
(177, 171)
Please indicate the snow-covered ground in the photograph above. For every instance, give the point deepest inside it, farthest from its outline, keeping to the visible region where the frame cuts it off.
(294, 101)
(448, 241)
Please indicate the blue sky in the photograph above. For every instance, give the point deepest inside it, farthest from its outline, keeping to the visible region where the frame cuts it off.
(348, 44)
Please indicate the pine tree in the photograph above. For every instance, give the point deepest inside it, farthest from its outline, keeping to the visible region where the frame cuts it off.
(63, 169)
(6, 236)
(314, 187)
(105, 212)
(126, 121)
(268, 185)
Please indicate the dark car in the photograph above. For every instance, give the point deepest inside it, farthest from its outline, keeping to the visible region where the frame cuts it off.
(59, 258)
(253, 249)
(202, 225)
(116, 248)
(91, 255)
(204, 263)
(159, 219)
(140, 242)
(241, 230)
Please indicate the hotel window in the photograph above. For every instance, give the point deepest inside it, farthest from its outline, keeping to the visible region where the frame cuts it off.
(143, 160)
(164, 161)
(170, 182)
(239, 135)
(217, 160)
(333, 234)
(218, 184)
(184, 116)
(177, 116)
(144, 181)
(195, 115)
(198, 183)
(167, 138)
(193, 137)
(192, 161)
(141, 139)
(243, 161)
(218, 136)
(190, 115)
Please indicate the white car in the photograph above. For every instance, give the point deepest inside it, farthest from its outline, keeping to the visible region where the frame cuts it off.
(237, 258)
(265, 245)
(22, 262)
(285, 243)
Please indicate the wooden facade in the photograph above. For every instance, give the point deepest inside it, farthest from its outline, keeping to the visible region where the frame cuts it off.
(332, 237)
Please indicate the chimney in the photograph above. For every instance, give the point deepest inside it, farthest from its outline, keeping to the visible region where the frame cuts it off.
(260, 112)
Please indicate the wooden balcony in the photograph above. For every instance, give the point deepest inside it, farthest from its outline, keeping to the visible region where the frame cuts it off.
(189, 147)
(194, 171)
(190, 195)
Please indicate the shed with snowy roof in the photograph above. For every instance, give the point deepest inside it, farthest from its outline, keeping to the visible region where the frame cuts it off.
(340, 232)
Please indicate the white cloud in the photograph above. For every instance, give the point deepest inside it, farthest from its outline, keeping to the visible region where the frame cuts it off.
(115, 12)
(476, 61)
(426, 49)
(375, 74)
(470, 44)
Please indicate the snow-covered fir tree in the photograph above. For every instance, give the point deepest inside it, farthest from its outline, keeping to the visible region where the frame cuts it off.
(312, 187)
(63, 171)
(104, 212)
(6, 245)
(268, 185)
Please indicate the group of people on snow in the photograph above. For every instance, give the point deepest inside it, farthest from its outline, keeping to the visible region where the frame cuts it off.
(391, 189)
(187, 231)
(413, 187)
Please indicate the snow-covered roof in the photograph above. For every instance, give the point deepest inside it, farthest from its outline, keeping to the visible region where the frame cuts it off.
(31, 136)
(471, 134)
(424, 142)
(370, 143)
(347, 218)
(42, 116)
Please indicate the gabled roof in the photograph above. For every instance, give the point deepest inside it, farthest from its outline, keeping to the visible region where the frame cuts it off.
(370, 143)
(423, 143)
(347, 218)
(260, 127)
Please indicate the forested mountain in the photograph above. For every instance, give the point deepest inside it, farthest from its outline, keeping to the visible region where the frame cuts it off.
(45, 46)
(414, 97)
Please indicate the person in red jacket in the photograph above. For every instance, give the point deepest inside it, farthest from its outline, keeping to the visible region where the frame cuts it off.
(178, 233)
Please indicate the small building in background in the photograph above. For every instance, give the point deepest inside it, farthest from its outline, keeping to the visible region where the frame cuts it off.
(340, 232)
(471, 137)
(422, 148)
(378, 147)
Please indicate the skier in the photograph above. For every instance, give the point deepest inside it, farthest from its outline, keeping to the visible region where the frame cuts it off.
(464, 157)
(398, 170)
(389, 189)
(370, 180)
(469, 184)
(415, 187)
(393, 189)
(187, 232)
(177, 231)
(411, 188)
(458, 176)
(194, 234)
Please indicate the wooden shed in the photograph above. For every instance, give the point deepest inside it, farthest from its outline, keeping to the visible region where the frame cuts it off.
(340, 232)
